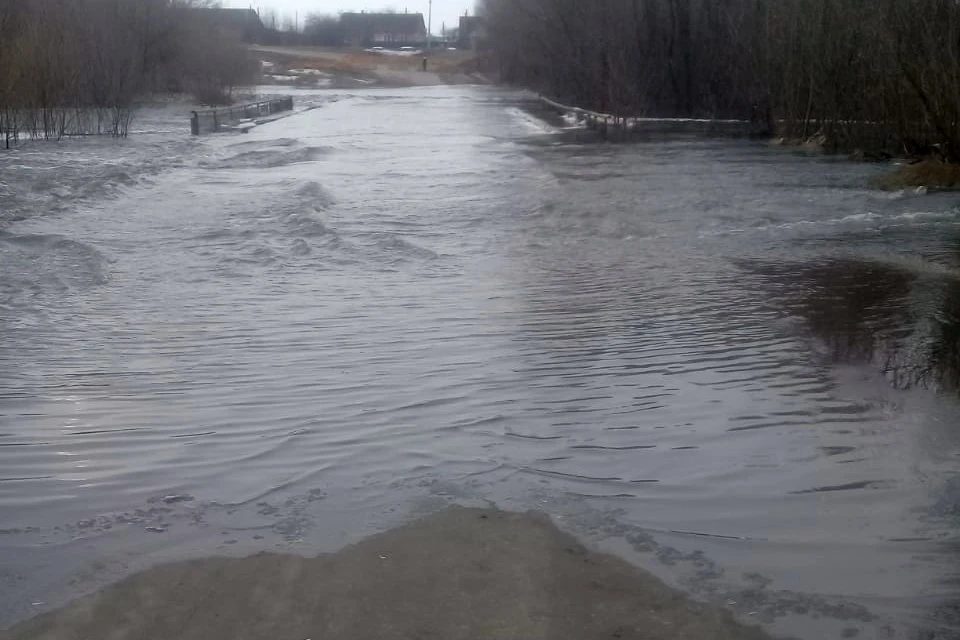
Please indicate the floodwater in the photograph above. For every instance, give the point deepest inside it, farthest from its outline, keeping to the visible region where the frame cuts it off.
(734, 365)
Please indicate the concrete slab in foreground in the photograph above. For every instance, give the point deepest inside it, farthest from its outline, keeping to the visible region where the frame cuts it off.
(461, 573)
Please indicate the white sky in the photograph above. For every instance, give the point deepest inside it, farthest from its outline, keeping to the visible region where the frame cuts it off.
(443, 10)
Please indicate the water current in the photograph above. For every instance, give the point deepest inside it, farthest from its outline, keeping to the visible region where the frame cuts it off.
(735, 365)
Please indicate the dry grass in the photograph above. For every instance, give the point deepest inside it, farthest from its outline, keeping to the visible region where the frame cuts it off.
(357, 61)
(932, 174)
(440, 61)
(327, 65)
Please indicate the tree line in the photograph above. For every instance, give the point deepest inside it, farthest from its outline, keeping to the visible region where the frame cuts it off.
(312, 30)
(315, 29)
(879, 75)
(79, 66)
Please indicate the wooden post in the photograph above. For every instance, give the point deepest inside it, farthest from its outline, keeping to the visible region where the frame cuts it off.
(194, 123)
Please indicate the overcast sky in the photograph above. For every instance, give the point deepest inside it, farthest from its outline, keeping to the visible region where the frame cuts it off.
(443, 10)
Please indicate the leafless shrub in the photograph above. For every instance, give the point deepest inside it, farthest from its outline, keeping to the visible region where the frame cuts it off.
(77, 67)
(213, 64)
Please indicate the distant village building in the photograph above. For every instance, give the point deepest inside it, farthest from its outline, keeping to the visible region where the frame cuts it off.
(383, 29)
(472, 31)
(244, 24)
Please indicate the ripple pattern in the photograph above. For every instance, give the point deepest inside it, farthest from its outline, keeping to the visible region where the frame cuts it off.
(410, 294)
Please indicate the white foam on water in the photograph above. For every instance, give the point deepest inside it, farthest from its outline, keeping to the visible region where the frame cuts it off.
(531, 123)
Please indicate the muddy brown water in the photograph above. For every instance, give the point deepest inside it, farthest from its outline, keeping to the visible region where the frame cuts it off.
(733, 365)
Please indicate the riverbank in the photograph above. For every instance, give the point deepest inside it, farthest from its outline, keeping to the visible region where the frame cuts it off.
(910, 171)
(926, 173)
(460, 573)
(922, 172)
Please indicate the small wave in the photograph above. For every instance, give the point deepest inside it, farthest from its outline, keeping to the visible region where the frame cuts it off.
(868, 218)
(315, 195)
(928, 215)
(267, 158)
(531, 123)
(49, 179)
(224, 234)
(257, 144)
(850, 486)
(856, 217)
(290, 228)
(306, 226)
(300, 247)
(53, 244)
(59, 188)
(39, 263)
(396, 247)
(573, 121)
(299, 216)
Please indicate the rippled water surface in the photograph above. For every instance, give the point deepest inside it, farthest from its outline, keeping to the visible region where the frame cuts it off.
(735, 365)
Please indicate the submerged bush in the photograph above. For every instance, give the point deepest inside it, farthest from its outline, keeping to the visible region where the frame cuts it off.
(930, 173)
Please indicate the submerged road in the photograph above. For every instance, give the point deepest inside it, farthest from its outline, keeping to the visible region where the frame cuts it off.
(730, 364)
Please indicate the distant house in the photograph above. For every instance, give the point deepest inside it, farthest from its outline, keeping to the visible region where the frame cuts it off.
(383, 29)
(472, 31)
(244, 24)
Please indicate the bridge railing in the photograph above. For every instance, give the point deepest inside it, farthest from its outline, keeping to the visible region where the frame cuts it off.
(610, 125)
(213, 120)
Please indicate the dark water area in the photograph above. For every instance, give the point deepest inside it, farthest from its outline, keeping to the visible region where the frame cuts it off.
(734, 365)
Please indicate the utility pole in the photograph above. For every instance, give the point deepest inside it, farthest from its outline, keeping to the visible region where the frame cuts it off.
(430, 25)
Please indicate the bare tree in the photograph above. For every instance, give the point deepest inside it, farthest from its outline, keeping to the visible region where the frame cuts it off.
(323, 30)
(882, 76)
(78, 66)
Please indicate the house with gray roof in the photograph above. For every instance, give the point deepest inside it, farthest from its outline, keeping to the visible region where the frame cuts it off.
(383, 29)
